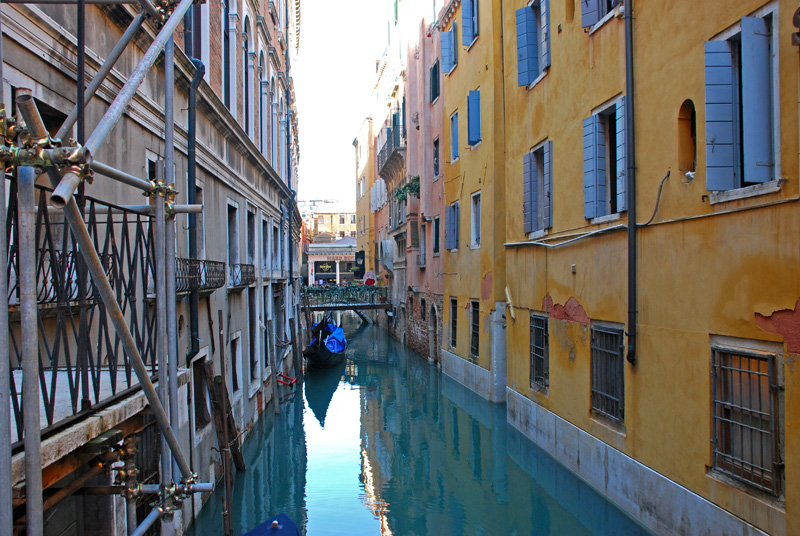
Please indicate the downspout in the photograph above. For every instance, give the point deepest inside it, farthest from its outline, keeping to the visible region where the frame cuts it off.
(630, 153)
(194, 295)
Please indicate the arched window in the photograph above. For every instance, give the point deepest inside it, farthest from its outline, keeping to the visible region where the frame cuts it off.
(226, 54)
(247, 80)
(273, 131)
(687, 137)
(262, 90)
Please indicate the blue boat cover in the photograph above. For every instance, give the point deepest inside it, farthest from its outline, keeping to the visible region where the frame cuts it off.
(336, 342)
(280, 525)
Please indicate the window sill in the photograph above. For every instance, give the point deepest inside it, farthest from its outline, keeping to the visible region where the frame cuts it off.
(434, 101)
(538, 79)
(436, 177)
(616, 12)
(453, 160)
(743, 193)
(475, 145)
(605, 219)
(448, 73)
(474, 40)
(535, 235)
(255, 387)
(475, 246)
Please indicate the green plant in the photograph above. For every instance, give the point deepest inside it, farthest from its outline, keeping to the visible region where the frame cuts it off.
(409, 188)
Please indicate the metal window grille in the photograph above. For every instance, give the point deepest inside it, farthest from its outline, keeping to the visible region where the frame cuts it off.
(745, 428)
(608, 386)
(474, 329)
(540, 353)
(453, 322)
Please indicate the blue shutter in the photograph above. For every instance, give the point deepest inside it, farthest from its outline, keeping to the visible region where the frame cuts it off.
(594, 170)
(456, 224)
(527, 42)
(474, 117)
(547, 202)
(756, 101)
(536, 203)
(467, 31)
(527, 186)
(720, 159)
(447, 51)
(454, 137)
(447, 221)
(590, 12)
(546, 29)
(600, 167)
(622, 161)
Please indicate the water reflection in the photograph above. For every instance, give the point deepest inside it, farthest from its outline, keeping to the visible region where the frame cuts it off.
(407, 451)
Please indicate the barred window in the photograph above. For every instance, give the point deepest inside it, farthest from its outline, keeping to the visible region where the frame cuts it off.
(746, 420)
(474, 339)
(540, 353)
(453, 321)
(608, 386)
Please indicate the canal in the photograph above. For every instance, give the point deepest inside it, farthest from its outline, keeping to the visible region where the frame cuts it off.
(387, 444)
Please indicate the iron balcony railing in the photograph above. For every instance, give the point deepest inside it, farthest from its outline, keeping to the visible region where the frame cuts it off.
(201, 275)
(421, 258)
(241, 276)
(343, 295)
(83, 365)
(395, 141)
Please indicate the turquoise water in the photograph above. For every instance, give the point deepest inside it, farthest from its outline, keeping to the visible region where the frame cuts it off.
(404, 450)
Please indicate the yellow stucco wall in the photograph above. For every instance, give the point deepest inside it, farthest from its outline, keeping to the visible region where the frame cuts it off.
(704, 270)
(476, 273)
(365, 239)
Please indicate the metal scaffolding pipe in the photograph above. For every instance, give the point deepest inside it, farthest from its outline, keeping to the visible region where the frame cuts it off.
(148, 522)
(100, 279)
(121, 176)
(145, 210)
(26, 195)
(101, 74)
(161, 319)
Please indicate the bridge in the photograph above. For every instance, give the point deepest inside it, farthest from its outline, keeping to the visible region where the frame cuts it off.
(341, 298)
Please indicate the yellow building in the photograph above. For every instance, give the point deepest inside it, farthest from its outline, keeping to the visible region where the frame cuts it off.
(365, 218)
(659, 365)
(474, 150)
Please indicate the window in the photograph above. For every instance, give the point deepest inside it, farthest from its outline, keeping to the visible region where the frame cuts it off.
(352, 219)
(436, 158)
(469, 21)
(435, 80)
(265, 243)
(608, 387)
(451, 221)
(236, 361)
(740, 99)
(454, 137)
(261, 90)
(276, 248)
(246, 68)
(193, 35)
(411, 306)
(422, 306)
(475, 235)
(341, 219)
(353, 234)
(436, 234)
(423, 244)
(687, 137)
(453, 322)
(746, 419)
(226, 54)
(202, 413)
(233, 235)
(474, 331)
(251, 237)
(474, 117)
(533, 41)
(604, 161)
(449, 44)
(592, 11)
(540, 353)
(537, 206)
(252, 329)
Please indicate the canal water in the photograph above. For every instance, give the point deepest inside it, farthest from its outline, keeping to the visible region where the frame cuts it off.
(388, 445)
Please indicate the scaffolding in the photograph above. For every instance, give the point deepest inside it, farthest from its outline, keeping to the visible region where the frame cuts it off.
(83, 269)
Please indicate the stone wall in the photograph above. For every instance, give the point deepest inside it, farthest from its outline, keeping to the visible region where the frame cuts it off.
(418, 325)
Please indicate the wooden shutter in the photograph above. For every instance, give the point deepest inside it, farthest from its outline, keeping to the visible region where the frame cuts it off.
(593, 168)
(527, 43)
(456, 224)
(545, 10)
(547, 202)
(720, 160)
(756, 101)
(467, 31)
(527, 186)
(590, 12)
(454, 136)
(622, 161)
(474, 117)
(447, 51)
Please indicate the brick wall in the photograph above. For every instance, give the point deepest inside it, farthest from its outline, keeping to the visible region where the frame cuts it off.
(417, 335)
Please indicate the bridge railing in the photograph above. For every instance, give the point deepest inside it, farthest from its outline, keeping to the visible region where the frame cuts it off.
(321, 295)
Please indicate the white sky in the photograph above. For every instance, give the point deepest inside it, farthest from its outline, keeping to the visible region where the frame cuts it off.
(334, 73)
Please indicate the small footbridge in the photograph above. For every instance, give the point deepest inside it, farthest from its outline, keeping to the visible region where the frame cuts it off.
(356, 298)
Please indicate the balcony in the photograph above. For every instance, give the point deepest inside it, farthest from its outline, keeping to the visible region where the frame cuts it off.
(241, 276)
(391, 158)
(201, 275)
(421, 258)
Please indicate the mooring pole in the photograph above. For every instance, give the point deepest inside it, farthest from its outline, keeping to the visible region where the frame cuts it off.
(225, 448)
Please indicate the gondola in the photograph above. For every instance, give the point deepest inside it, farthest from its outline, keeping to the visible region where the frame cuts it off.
(328, 344)
(280, 525)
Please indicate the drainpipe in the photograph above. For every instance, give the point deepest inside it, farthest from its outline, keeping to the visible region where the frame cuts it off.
(630, 153)
(194, 296)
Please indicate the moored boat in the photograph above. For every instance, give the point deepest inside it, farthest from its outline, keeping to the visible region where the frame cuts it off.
(328, 344)
(280, 525)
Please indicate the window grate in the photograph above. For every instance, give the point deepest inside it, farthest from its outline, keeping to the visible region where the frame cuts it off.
(745, 433)
(540, 353)
(453, 322)
(474, 340)
(608, 386)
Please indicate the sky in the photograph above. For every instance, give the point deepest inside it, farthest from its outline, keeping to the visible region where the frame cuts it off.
(334, 74)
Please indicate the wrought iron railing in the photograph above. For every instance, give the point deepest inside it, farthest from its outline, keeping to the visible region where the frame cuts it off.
(343, 295)
(83, 364)
(200, 275)
(395, 141)
(241, 275)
